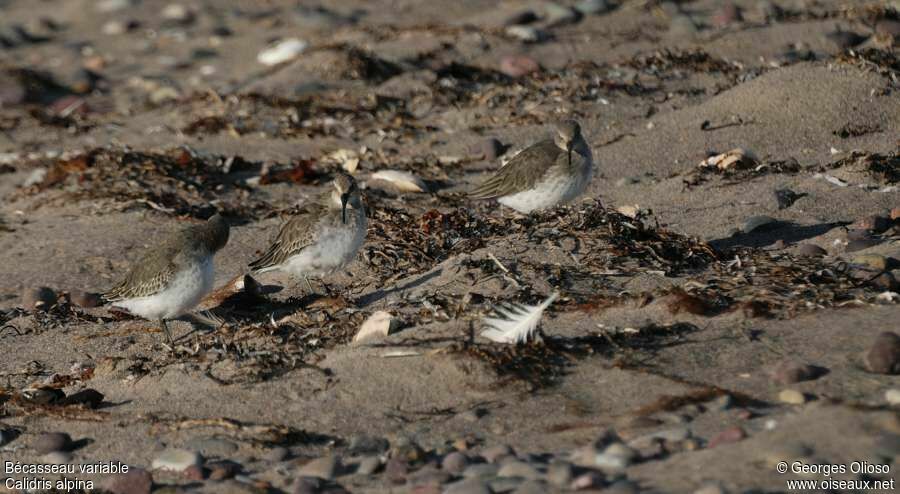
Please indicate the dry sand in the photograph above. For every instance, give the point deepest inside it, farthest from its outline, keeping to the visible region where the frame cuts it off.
(671, 323)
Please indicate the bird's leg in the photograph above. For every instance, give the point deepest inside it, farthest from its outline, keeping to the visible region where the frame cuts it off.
(325, 286)
(308, 284)
(165, 327)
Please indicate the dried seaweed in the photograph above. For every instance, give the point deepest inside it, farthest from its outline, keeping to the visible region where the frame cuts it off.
(883, 167)
(883, 62)
(664, 62)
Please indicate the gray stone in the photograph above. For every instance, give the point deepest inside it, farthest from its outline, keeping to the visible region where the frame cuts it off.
(177, 460)
(362, 444)
(590, 7)
(455, 462)
(480, 470)
(368, 465)
(557, 15)
(51, 441)
(623, 486)
(494, 453)
(589, 480)
(468, 486)
(57, 458)
(791, 371)
(518, 469)
(326, 468)
(560, 473)
(883, 356)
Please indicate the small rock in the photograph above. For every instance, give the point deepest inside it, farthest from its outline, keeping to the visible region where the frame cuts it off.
(193, 472)
(874, 224)
(875, 262)
(284, 51)
(89, 397)
(481, 470)
(135, 481)
(44, 395)
(518, 469)
(494, 453)
(57, 458)
(812, 250)
(560, 473)
(455, 463)
(884, 355)
(786, 198)
(401, 180)
(468, 486)
(845, 39)
(50, 442)
(85, 299)
(792, 397)
(177, 13)
(759, 223)
(406, 450)
(892, 396)
(223, 469)
(623, 486)
(730, 435)
(558, 15)
(589, 480)
(368, 465)
(362, 444)
(532, 487)
(163, 94)
(526, 34)
(396, 470)
(860, 244)
(40, 298)
(615, 458)
(790, 372)
(592, 7)
(518, 65)
(176, 460)
(325, 468)
(719, 404)
(376, 327)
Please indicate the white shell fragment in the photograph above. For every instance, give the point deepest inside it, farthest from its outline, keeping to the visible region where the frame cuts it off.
(283, 51)
(736, 158)
(347, 158)
(378, 325)
(629, 210)
(403, 181)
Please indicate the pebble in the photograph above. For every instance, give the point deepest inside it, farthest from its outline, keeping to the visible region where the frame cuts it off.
(792, 397)
(402, 181)
(494, 453)
(106, 6)
(560, 473)
(283, 51)
(725, 15)
(57, 458)
(790, 371)
(860, 244)
(682, 25)
(518, 65)
(518, 469)
(90, 397)
(85, 299)
(135, 481)
(39, 298)
(884, 355)
(223, 469)
(455, 462)
(51, 441)
(212, 446)
(811, 250)
(759, 223)
(325, 468)
(480, 470)
(558, 15)
(874, 223)
(368, 465)
(887, 282)
(406, 450)
(892, 396)
(177, 460)
(873, 261)
(468, 486)
(363, 444)
(177, 13)
(623, 486)
(710, 489)
(589, 480)
(276, 454)
(526, 34)
(786, 198)
(531, 487)
(396, 470)
(730, 435)
(895, 213)
(593, 7)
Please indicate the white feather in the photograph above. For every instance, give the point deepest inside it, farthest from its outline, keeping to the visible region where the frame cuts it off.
(518, 321)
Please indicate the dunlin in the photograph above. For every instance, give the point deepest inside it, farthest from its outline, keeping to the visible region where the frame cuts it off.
(545, 174)
(323, 237)
(171, 278)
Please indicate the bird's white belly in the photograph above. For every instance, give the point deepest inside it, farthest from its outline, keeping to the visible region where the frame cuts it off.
(335, 248)
(185, 291)
(546, 194)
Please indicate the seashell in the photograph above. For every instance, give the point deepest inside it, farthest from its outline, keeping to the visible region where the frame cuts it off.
(283, 51)
(403, 181)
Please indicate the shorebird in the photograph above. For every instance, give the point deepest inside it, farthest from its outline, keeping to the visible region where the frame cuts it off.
(174, 276)
(545, 174)
(322, 238)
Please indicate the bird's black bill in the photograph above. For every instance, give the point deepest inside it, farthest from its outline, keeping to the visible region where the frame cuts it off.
(570, 154)
(344, 198)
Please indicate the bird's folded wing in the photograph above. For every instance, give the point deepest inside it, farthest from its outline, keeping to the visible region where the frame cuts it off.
(523, 172)
(294, 236)
(149, 276)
